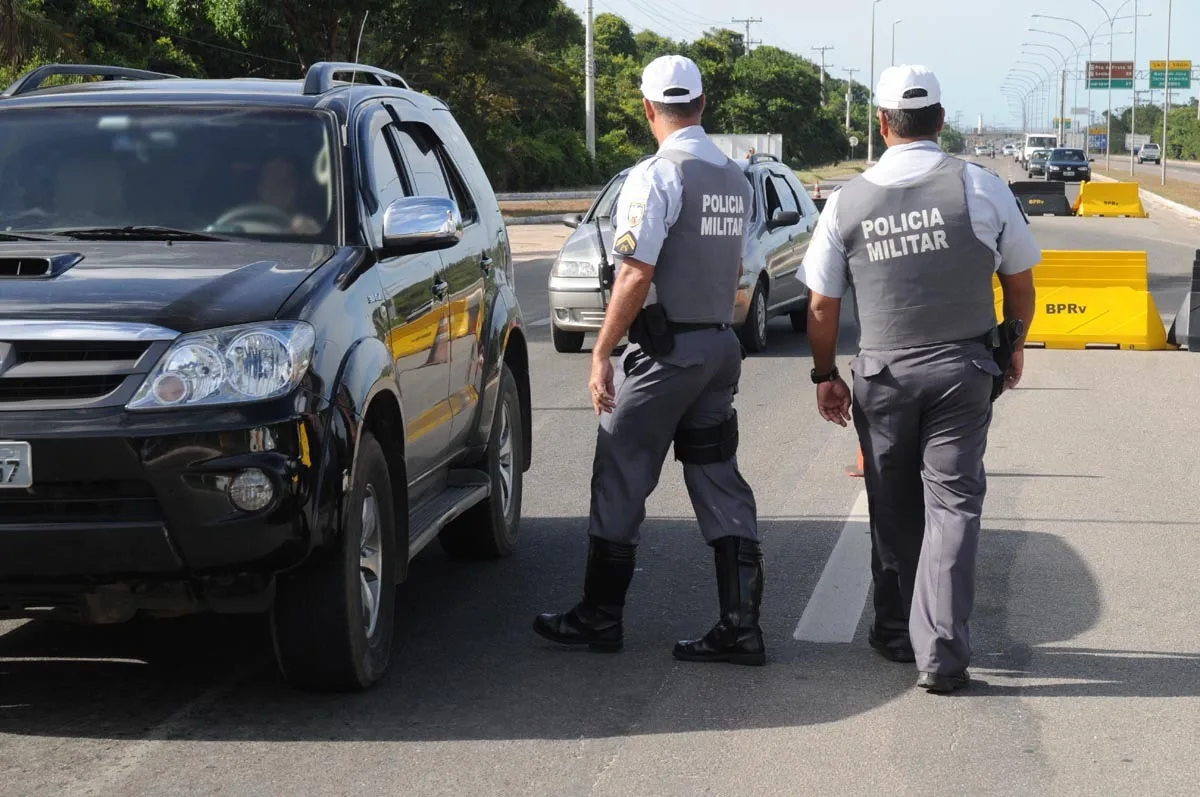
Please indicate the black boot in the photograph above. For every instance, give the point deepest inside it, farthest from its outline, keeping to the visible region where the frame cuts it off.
(736, 637)
(596, 620)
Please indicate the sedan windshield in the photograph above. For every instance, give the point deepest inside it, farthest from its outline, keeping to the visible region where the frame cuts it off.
(263, 174)
(1068, 155)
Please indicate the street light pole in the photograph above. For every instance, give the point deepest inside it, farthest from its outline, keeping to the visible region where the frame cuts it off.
(1090, 37)
(1166, 95)
(871, 92)
(894, 24)
(1133, 111)
(849, 93)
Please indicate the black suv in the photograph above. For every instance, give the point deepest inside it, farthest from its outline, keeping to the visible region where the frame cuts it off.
(259, 345)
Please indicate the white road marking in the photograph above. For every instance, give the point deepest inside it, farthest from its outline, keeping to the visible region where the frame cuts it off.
(836, 606)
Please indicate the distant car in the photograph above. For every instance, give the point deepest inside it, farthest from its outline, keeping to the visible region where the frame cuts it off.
(1068, 165)
(777, 239)
(1009, 150)
(1037, 162)
(1149, 152)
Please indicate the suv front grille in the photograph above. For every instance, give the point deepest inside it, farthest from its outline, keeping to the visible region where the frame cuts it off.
(40, 351)
(59, 365)
(80, 502)
(50, 388)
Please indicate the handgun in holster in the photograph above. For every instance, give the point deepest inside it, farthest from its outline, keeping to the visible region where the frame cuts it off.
(651, 330)
(1003, 343)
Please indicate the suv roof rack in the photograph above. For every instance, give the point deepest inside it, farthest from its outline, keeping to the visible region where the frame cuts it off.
(319, 77)
(36, 77)
(762, 156)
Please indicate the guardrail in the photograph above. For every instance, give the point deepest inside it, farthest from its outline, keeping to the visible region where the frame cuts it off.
(548, 195)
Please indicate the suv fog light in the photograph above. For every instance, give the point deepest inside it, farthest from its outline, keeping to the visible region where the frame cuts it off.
(251, 490)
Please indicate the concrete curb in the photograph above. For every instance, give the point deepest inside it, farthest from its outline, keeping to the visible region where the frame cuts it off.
(1153, 199)
(555, 219)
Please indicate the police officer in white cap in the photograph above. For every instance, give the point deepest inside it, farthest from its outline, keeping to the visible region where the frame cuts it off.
(679, 229)
(920, 237)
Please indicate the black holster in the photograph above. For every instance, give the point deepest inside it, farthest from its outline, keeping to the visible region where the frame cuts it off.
(651, 330)
(1002, 342)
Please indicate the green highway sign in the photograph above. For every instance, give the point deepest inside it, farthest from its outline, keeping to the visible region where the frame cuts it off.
(1101, 73)
(1117, 83)
(1176, 75)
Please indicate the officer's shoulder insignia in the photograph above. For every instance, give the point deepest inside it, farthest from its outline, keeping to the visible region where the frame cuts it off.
(626, 244)
(637, 211)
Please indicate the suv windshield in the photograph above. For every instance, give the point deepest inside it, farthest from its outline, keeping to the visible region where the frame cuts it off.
(1074, 155)
(258, 173)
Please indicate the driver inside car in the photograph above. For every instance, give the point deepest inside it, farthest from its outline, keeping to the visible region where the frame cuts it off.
(279, 186)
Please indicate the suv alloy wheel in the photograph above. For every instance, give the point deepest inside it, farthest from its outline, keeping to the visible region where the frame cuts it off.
(332, 622)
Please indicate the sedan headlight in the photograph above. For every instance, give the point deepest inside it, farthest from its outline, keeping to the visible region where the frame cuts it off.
(575, 268)
(233, 365)
(1056, 168)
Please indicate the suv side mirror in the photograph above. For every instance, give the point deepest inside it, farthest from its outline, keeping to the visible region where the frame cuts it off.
(415, 224)
(572, 220)
(784, 218)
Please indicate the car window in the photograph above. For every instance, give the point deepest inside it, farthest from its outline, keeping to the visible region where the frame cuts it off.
(265, 174)
(787, 197)
(421, 157)
(606, 205)
(773, 200)
(384, 173)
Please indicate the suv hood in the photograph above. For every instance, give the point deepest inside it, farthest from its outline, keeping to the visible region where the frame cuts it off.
(184, 286)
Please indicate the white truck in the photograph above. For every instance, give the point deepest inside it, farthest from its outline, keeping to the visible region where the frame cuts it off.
(1036, 141)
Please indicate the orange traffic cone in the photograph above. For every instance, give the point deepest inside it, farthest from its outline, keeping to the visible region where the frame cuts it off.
(818, 195)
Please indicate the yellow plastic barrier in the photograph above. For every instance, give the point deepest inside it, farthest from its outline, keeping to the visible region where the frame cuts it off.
(1110, 199)
(1093, 300)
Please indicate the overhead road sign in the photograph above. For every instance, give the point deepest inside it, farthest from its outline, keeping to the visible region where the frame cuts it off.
(1176, 75)
(1119, 73)
(1092, 299)
(1110, 199)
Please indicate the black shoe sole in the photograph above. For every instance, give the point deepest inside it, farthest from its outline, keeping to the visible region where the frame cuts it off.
(597, 645)
(945, 687)
(898, 655)
(746, 659)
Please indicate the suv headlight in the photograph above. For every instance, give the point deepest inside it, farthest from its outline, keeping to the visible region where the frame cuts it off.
(233, 365)
(574, 268)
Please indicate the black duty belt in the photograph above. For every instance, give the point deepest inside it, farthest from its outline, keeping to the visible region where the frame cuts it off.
(683, 326)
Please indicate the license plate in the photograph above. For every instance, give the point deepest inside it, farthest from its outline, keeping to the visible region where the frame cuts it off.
(16, 466)
(1069, 173)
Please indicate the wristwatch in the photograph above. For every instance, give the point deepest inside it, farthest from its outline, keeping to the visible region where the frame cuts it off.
(826, 377)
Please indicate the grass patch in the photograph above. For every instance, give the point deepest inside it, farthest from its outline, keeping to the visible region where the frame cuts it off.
(842, 170)
(1177, 190)
(544, 207)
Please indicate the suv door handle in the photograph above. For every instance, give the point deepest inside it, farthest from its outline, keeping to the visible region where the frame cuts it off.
(486, 264)
(439, 288)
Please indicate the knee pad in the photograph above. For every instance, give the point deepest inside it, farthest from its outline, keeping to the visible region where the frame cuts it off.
(708, 445)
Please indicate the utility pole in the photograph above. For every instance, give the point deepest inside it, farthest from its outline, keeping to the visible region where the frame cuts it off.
(589, 68)
(871, 92)
(849, 93)
(1166, 95)
(748, 23)
(822, 51)
(1133, 111)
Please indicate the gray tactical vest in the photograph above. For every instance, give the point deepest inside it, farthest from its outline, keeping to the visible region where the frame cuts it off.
(696, 277)
(920, 275)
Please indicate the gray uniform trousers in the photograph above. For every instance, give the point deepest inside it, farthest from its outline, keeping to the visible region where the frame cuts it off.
(922, 417)
(693, 387)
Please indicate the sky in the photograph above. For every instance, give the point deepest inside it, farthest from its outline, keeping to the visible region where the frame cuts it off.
(970, 44)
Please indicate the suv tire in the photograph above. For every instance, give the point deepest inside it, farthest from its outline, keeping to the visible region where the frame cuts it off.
(489, 529)
(565, 341)
(754, 330)
(324, 638)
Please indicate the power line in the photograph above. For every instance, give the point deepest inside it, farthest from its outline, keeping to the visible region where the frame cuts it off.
(209, 45)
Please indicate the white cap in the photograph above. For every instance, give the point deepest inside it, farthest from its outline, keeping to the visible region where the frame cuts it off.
(672, 78)
(906, 87)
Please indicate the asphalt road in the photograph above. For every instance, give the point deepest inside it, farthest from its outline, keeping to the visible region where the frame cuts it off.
(1087, 656)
